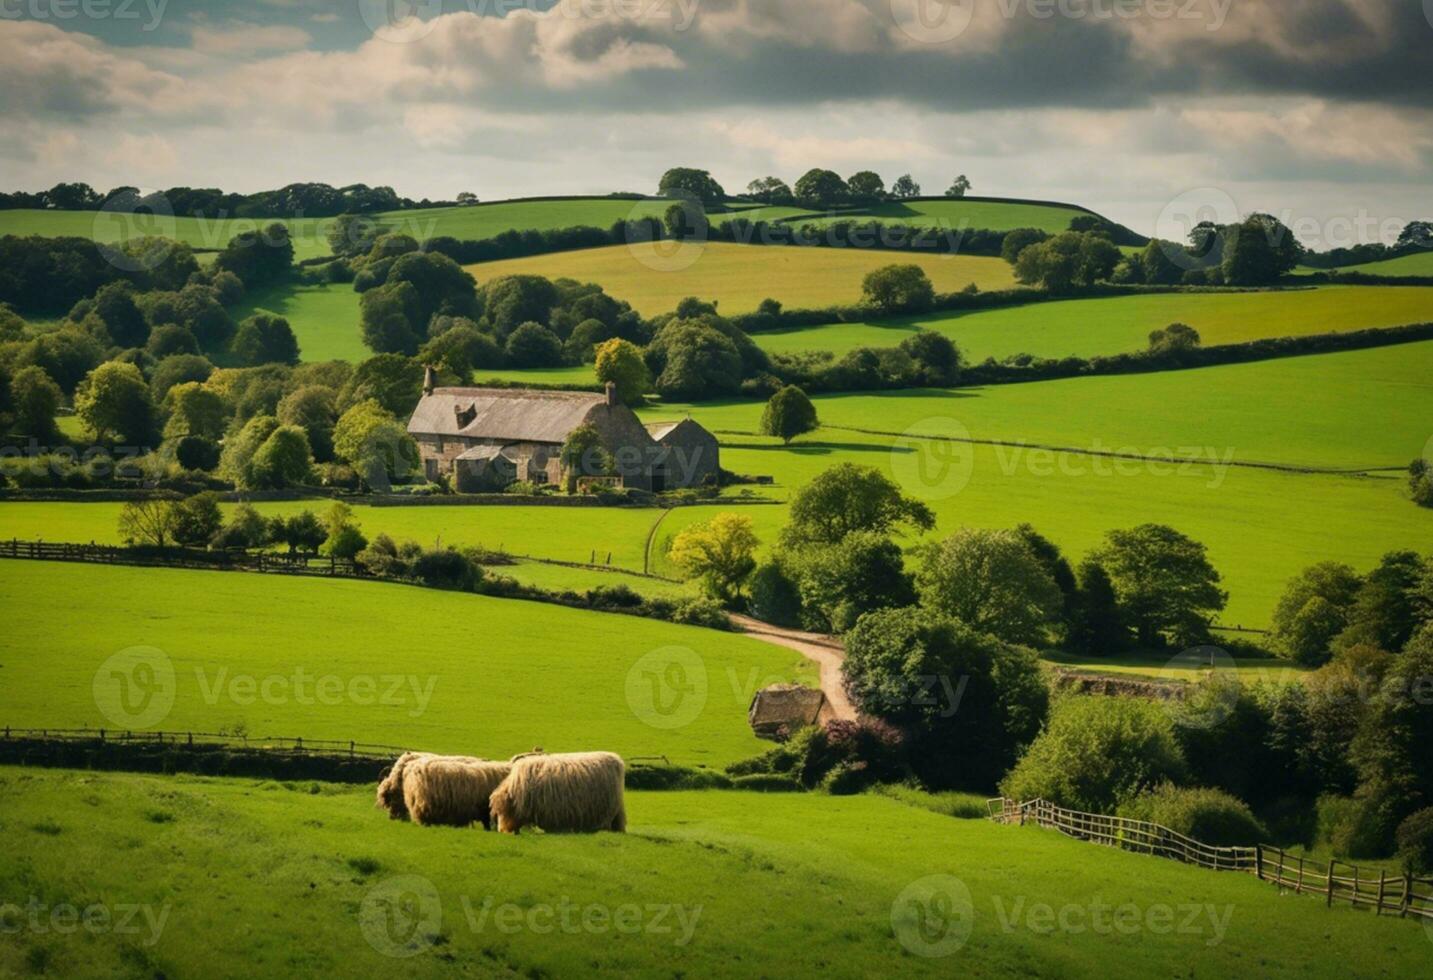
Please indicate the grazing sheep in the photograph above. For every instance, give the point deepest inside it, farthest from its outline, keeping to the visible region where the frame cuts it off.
(390, 784)
(579, 791)
(451, 792)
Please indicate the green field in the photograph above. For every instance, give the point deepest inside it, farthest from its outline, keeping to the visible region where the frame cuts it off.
(242, 878)
(1087, 327)
(653, 277)
(310, 235)
(1417, 264)
(324, 318)
(972, 215)
(488, 220)
(385, 663)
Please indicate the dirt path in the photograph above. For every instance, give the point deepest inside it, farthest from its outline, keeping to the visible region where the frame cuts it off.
(826, 651)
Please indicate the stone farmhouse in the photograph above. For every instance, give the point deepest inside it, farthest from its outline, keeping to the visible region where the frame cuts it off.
(488, 438)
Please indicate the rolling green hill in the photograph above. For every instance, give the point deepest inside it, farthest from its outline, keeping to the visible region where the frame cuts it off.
(310, 235)
(1088, 327)
(488, 220)
(242, 878)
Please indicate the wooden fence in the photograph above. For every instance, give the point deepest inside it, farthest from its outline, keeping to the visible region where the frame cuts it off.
(184, 558)
(1383, 891)
(326, 746)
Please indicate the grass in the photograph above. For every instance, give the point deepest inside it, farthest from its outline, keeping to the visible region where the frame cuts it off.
(324, 318)
(384, 663)
(969, 215)
(1417, 264)
(310, 235)
(654, 277)
(562, 578)
(1171, 666)
(265, 879)
(1087, 327)
(488, 220)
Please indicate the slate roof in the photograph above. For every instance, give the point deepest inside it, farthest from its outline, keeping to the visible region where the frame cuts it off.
(515, 415)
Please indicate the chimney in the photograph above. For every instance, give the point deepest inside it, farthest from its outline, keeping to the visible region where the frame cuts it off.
(611, 394)
(430, 379)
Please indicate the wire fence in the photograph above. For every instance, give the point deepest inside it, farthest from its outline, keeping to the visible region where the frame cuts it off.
(1401, 894)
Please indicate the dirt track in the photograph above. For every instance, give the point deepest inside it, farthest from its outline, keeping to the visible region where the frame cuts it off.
(826, 651)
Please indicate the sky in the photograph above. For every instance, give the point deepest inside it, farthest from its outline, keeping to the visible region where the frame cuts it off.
(1152, 112)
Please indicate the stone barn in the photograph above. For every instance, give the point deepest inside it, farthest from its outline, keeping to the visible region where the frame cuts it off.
(691, 456)
(488, 438)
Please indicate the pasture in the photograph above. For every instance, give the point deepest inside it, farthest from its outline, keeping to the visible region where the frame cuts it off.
(958, 214)
(654, 277)
(1112, 325)
(242, 878)
(310, 235)
(1417, 264)
(480, 221)
(324, 318)
(378, 662)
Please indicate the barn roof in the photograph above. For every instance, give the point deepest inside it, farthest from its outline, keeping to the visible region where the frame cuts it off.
(788, 706)
(518, 415)
(660, 430)
(481, 453)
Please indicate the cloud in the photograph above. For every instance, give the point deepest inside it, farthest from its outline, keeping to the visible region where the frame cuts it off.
(45, 71)
(238, 38)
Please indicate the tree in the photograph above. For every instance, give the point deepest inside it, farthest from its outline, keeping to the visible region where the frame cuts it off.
(35, 399)
(1391, 748)
(195, 410)
(312, 409)
(819, 188)
(284, 460)
(1017, 240)
(466, 198)
(303, 532)
(970, 702)
(387, 317)
(847, 498)
(691, 183)
(685, 221)
(197, 453)
(171, 340)
(898, 289)
(1420, 482)
(936, 357)
(352, 234)
(1385, 612)
(1096, 626)
(1259, 251)
(720, 552)
(1172, 339)
(258, 256)
(462, 349)
(620, 363)
(905, 187)
(839, 583)
(196, 520)
(789, 413)
(1158, 263)
(177, 370)
(770, 190)
(265, 339)
(1097, 752)
(394, 381)
(533, 345)
(147, 522)
(375, 444)
(1314, 609)
(344, 540)
(114, 308)
(1166, 587)
(114, 402)
(236, 462)
(992, 581)
(866, 186)
(583, 455)
(1068, 260)
(697, 361)
(958, 187)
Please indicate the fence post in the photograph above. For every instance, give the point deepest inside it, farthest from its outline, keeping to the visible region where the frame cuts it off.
(1407, 895)
(1299, 884)
(1329, 900)
(1259, 862)
(1382, 878)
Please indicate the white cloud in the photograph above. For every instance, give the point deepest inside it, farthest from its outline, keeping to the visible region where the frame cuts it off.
(238, 38)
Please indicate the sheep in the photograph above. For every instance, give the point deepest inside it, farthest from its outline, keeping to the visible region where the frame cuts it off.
(390, 784)
(580, 791)
(451, 792)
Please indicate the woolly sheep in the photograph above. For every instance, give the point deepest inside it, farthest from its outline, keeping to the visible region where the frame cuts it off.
(579, 791)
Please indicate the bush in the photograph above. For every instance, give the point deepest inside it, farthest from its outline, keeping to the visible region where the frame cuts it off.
(701, 612)
(641, 776)
(1415, 842)
(1207, 815)
(197, 453)
(1098, 752)
(1364, 826)
(445, 568)
(766, 783)
(847, 779)
(774, 596)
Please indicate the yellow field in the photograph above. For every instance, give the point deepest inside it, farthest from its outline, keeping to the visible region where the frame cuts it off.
(653, 277)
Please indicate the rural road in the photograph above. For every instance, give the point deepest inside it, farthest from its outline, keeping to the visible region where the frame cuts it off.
(825, 650)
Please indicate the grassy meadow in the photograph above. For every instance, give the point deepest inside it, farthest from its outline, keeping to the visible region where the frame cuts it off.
(1088, 327)
(481, 221)
(310, 235)
(959, 214)
(385, 663)
(324, 318)
(654, 277)
(240, 877)
(1417, 264)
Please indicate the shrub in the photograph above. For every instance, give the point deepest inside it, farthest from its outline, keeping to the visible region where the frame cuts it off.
(1415, 842)
(444, 568)
(847, 779)
(197, 453)
(701, 612)
(642, 776)
(1207, 815)
(1098, 752)
(774, 596)
(766, 783)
